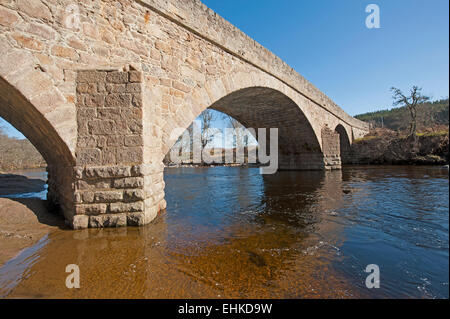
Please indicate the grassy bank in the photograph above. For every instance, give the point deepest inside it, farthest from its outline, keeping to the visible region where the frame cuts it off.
(384, 146)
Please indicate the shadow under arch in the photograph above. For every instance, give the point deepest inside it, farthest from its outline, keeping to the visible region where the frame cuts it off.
(263, 107)
(344, 141)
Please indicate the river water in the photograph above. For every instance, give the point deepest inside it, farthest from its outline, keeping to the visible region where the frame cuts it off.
(233, 233)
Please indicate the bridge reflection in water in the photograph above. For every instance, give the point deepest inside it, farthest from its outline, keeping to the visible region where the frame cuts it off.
(230, 232)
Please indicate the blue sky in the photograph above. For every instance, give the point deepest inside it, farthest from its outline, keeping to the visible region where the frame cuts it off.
(328, 43)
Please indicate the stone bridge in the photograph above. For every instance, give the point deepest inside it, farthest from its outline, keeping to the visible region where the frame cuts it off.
(98, 87)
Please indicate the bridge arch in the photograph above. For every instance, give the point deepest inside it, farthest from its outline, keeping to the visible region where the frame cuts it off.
(257, 101)
(26, 118)
(344, 142)
(263, 107)
(33, 122)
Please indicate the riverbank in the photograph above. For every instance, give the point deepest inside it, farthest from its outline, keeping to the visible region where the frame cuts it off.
(387, 147)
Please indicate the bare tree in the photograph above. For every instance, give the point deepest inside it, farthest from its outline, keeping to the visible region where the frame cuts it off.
(410, 102)
(206, 118)
(239, 132)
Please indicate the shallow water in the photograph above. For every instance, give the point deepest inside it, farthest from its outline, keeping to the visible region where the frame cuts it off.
(230, 232)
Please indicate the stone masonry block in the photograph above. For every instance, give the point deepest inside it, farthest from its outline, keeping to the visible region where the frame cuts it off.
(135, 77)
(116, 220)
(107, 172)
(88, 156)
(130, 182)
(118, 100)
(126, 207)
(91, 76)
(117, 77)
(108, 196)
(80, 222)
(91, 209)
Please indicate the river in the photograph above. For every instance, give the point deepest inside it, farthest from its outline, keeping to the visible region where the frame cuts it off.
(233, 233)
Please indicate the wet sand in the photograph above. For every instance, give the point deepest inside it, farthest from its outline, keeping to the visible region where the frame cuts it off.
(22, 223)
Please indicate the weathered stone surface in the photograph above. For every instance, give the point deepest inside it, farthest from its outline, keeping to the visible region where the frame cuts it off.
(108, 196)
(131, 182)
(116, 220)
(91, 76)
(136, 219)
(107, 172)
(92, 209)
(8, 17)
(126, 207)
(28, 42)
(64, 52)
(118, 100)
(135, 77)
(130, 155)
(88, 197)
(35, 9)
(117, 77)
(80, 222)
(88, 156)
(134, 195)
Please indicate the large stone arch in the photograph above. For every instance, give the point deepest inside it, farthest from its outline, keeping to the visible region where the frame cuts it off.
(257, 101)
(32, 103)
(263, 107)
(34, 121)
(26, 118)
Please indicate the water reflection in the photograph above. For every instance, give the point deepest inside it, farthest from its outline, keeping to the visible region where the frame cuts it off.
(230, 232)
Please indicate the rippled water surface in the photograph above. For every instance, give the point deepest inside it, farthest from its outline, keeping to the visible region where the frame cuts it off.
(230, 232)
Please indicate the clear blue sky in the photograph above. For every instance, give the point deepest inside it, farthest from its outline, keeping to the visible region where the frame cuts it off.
(328, 43)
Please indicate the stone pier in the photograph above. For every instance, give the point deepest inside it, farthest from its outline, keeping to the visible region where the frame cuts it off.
(112, 185)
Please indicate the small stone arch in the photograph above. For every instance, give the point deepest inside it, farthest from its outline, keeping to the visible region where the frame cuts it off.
(345, 143)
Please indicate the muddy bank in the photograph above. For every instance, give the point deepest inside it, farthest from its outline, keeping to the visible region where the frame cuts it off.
(385, 147)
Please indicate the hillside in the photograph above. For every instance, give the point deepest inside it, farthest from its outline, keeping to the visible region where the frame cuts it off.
(18, 154)
(429, 115)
